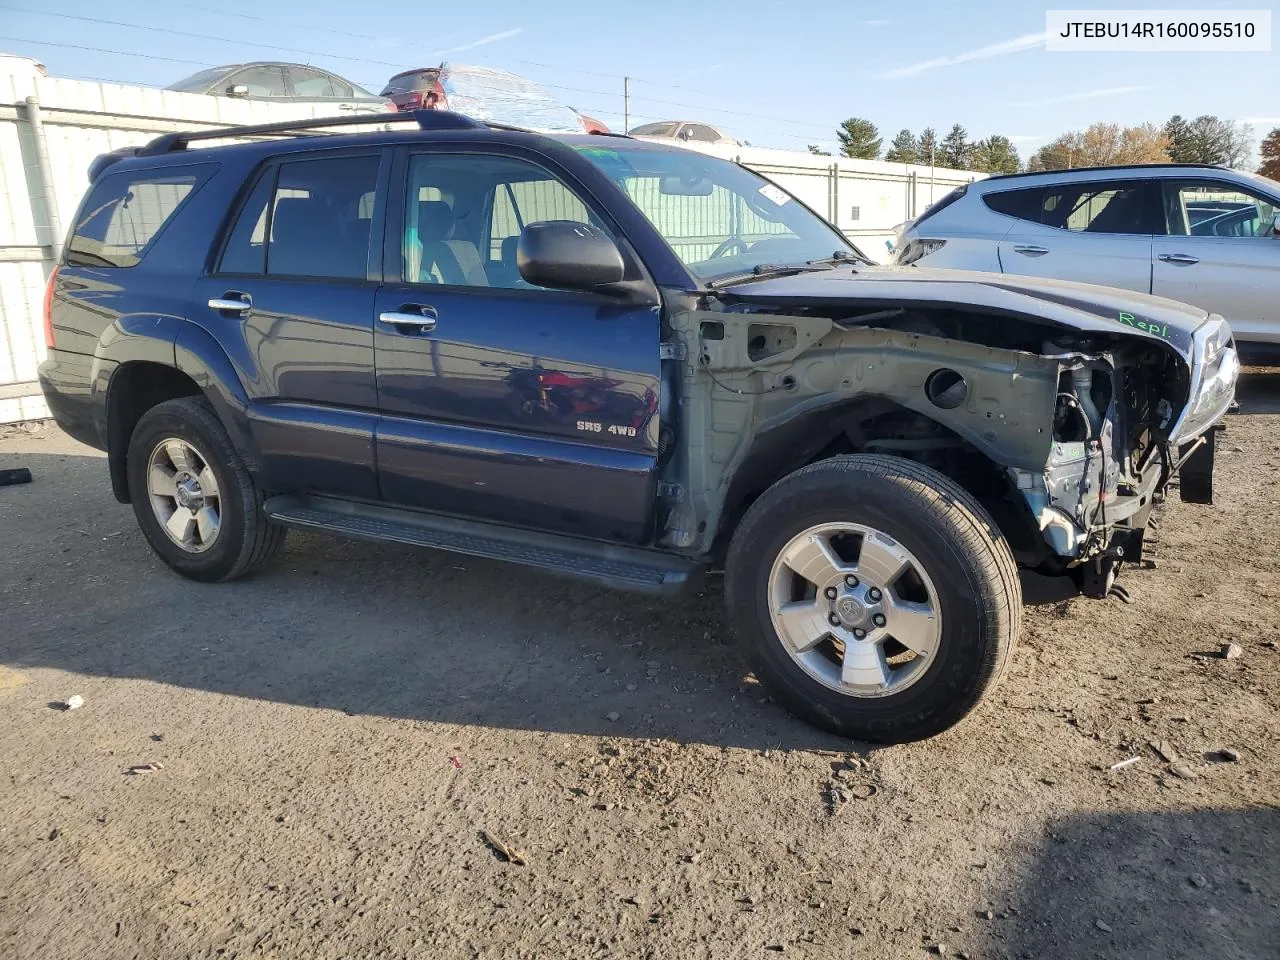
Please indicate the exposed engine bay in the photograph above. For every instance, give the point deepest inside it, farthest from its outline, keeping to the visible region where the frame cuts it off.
(1067, 437)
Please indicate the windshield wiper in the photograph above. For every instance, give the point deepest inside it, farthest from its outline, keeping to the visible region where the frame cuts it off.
(843, 256)
(766, 270)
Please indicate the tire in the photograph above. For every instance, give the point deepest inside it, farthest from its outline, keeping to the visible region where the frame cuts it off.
(962, 608)
(239, 538)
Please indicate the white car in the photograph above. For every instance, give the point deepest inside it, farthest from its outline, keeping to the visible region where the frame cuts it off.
(1204, 235)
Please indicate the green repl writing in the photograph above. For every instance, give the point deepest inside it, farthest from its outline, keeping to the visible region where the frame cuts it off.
(1158, 329)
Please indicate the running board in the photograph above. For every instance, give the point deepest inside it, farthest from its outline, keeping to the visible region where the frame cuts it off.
(609, 565)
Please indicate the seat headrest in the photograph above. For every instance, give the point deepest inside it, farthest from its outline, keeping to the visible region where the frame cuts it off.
(295, 218)
(435, 220)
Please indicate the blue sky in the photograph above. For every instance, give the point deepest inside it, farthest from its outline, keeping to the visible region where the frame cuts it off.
(761, 69)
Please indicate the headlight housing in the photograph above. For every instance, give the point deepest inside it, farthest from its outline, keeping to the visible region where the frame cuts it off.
(1214, 372)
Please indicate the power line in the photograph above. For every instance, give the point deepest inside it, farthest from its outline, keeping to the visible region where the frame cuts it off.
(199, 36)
(122, 53)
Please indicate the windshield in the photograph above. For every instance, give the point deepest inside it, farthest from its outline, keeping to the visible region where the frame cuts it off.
(199, 82)
(718, 217)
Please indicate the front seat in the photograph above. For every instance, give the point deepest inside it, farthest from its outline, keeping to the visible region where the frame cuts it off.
(444, 260)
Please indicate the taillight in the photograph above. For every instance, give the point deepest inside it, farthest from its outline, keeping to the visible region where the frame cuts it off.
(48, 309)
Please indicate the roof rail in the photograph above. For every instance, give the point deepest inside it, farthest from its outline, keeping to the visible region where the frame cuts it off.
(425, 119)
(1107, 166)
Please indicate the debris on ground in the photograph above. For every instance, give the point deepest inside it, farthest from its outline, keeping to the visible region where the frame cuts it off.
(612, 716)
(1164, 750)
(140, 768)
(1102, 925)
(1183, 771)
(1229, 755)
(1231, 651)
(457, 764)
(74, 702)
(504, 850)
(1197, 880)
(9, 478)
(1125, 763)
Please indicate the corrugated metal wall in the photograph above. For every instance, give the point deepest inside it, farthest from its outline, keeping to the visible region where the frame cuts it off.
(81, 119)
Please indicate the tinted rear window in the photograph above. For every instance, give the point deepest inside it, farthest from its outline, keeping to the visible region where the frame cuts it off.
(409, 83)
(125, 212)
(1023, 204)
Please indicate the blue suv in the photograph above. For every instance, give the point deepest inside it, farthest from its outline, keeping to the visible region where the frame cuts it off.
(624, 362)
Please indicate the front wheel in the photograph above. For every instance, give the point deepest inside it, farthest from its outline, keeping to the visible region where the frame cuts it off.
(874, 596)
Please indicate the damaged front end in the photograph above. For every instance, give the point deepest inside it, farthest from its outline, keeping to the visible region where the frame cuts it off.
(1118, 439)
(1068, 432)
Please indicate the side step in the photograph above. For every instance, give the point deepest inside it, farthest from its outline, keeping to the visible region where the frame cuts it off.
(610, 565)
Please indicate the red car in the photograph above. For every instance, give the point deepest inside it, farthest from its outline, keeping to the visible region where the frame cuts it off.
(486, 94)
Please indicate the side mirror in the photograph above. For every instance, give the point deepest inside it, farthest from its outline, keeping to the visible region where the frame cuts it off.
(565, 255)
(237, 90)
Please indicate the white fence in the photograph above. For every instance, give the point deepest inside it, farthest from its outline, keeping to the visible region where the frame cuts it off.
(50, 130)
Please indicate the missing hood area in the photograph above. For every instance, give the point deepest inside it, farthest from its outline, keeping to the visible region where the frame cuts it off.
(1062, 434)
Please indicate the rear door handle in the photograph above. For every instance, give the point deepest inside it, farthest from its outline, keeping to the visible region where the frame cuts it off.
(232, 302)
(1179, 258)
(1030, 249)
(411, 318)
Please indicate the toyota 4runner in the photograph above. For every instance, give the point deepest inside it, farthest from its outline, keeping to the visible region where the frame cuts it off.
(623, 362)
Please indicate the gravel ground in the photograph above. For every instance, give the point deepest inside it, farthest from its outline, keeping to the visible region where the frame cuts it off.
(327, 760)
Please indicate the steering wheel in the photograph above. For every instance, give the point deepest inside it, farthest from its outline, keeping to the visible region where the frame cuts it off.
(731, 244)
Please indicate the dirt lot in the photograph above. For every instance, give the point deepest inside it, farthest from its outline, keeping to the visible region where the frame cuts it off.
(332, 739)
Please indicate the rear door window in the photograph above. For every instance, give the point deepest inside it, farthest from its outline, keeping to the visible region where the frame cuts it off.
(314, 84)
(307, 218)
(1112, 206)
(125, 212)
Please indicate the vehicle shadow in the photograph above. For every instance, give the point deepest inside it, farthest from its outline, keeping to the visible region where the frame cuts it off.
(1145, 885)
(369, 628)
(1259, 391)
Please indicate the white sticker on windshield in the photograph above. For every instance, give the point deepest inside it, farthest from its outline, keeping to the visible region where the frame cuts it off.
(770, 192)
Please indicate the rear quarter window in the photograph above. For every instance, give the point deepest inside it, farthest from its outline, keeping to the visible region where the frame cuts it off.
(124, 214)
(1023, 204)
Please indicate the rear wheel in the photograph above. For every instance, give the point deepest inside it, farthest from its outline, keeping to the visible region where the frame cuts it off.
(194, 499)
(874, 596)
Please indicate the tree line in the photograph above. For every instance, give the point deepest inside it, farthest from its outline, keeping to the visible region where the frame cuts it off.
(1206, 139)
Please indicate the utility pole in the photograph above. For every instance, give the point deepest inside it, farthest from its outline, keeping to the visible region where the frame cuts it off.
(932, 149)
(626, 104)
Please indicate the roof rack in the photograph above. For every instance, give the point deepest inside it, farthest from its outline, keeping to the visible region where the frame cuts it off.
(425, 119)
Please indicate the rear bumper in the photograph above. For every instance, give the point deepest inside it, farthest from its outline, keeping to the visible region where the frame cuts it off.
(67, 381)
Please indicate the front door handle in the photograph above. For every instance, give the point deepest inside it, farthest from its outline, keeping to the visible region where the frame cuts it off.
(1030, 249)
(411, 318)
(233, 301)
(1179, 258)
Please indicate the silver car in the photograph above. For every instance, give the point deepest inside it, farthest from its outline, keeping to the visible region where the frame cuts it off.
(1204, 235)
(684, 130)
(283, 83)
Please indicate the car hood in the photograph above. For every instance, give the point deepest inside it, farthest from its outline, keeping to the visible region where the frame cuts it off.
(1078, 306)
